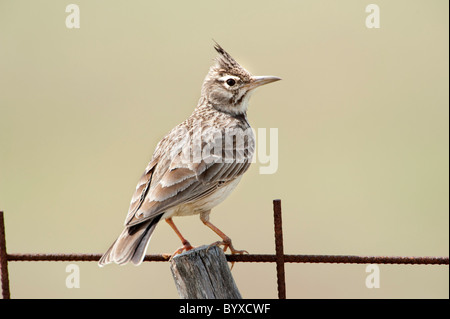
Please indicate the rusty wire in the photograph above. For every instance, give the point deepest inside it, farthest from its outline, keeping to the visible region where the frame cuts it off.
(279, 258)
(255, 258)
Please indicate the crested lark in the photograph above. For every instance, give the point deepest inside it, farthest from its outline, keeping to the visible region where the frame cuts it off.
(197, 165)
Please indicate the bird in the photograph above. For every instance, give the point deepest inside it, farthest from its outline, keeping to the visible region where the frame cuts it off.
(196, 165)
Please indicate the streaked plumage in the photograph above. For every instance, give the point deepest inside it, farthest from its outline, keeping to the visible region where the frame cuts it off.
(197, 164)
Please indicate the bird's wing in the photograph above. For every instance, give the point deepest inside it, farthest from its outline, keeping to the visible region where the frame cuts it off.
(170, 180)
(141, 191)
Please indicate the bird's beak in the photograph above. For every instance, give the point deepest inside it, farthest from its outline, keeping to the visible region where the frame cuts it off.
(257, 81)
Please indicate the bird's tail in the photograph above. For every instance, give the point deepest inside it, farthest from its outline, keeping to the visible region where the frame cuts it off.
(131, 244)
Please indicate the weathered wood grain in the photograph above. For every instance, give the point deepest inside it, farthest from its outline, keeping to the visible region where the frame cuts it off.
(203, 273)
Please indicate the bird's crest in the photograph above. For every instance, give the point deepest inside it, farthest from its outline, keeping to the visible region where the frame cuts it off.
(224, 59)
(226, 63)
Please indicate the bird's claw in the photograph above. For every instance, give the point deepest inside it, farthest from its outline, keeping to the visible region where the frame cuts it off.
(227, 244)
(186, 247)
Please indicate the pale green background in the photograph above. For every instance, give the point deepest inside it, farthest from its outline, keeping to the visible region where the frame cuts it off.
(363, 127)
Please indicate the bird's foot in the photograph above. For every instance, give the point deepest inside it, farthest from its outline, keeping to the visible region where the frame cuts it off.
(186, 247)
(226, 243)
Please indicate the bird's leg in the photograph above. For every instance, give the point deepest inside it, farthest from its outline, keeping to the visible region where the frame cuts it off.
(186, 245)
(226, 241)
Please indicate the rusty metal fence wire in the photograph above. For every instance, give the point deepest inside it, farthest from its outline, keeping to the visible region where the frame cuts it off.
(279, 258)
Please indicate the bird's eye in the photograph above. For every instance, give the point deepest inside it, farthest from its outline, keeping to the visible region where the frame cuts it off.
(231, 82)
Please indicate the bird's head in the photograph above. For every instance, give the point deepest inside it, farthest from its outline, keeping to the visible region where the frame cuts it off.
(228, 86)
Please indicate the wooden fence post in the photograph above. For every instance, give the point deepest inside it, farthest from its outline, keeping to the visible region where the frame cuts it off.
(203, 273)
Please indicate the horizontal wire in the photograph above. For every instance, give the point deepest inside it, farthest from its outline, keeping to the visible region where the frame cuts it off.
(335, 259)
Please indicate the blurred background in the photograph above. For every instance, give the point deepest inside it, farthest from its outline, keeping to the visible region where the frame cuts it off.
(362, 118)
